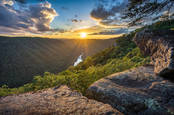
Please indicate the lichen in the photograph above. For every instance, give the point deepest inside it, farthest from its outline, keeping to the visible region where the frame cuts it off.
(152, 104)
(170, 111)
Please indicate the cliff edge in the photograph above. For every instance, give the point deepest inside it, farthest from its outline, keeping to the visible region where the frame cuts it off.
(159, 45)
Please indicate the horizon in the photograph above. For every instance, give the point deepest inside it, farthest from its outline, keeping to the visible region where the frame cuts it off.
(78, 38)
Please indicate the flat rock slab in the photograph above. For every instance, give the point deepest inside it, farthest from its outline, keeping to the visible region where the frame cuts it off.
(53, 101)
(135, 91)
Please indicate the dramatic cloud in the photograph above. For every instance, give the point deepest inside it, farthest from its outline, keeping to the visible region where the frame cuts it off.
(100, 13)
(33, 18)
(108, 13)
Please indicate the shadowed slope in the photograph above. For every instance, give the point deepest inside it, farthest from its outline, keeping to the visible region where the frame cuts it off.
(23, 58)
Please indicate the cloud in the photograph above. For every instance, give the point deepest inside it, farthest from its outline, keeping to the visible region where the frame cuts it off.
(100, 13)
(99, 30)
(108, 13)
(76, 20)
(112, 32)
(42, 15)
(89, 30)
(8, 2)
(32, 18)
(58, 30)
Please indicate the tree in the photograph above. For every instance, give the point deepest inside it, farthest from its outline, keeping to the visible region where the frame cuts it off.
(137, 10)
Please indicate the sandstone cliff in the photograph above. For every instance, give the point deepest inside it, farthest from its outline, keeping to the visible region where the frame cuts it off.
(160, 46)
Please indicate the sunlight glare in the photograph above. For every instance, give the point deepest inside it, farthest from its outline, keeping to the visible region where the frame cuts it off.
(83, 35)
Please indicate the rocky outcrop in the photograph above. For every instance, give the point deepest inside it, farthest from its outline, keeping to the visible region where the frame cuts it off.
(53, 101)
(160, 46)
(136, 91)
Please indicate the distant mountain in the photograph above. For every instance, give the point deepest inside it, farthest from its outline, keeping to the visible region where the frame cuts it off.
(23, 58)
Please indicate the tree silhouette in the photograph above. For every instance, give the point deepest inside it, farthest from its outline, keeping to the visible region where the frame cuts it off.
(137, 10)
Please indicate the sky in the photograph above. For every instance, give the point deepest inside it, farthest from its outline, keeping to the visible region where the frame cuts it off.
(99, 19)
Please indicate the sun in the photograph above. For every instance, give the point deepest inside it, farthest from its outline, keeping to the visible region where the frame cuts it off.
(83, 35)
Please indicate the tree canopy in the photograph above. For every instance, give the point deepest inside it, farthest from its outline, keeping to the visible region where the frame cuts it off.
(137, 10)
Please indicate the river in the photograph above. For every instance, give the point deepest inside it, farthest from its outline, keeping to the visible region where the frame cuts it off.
(79, 59)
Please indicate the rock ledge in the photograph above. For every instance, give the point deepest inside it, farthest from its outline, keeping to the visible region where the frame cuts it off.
(53, 101)
(136, 91)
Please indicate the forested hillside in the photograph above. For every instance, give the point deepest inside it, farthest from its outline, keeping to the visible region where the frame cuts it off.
(23, 58)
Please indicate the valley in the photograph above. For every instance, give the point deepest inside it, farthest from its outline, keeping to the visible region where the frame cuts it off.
(23, 58)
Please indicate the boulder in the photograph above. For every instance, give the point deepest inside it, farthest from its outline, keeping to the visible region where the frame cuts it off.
(159, 45)
(135, 91)
(53, 101)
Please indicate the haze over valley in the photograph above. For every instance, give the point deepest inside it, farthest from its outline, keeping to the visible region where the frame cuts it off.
(23, 58)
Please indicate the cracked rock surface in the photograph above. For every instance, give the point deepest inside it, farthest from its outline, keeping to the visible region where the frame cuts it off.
(136, 91)
(53, 101)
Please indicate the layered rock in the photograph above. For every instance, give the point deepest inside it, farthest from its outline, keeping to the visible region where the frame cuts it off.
(160, 46)
(53, 101)
(136, 91)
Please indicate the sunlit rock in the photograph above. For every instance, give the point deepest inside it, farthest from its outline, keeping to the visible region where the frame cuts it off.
(53, 101)
(136, 91)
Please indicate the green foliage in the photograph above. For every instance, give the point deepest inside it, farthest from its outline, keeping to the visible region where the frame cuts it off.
(163, 25)
(21, 58)
(124, 55)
